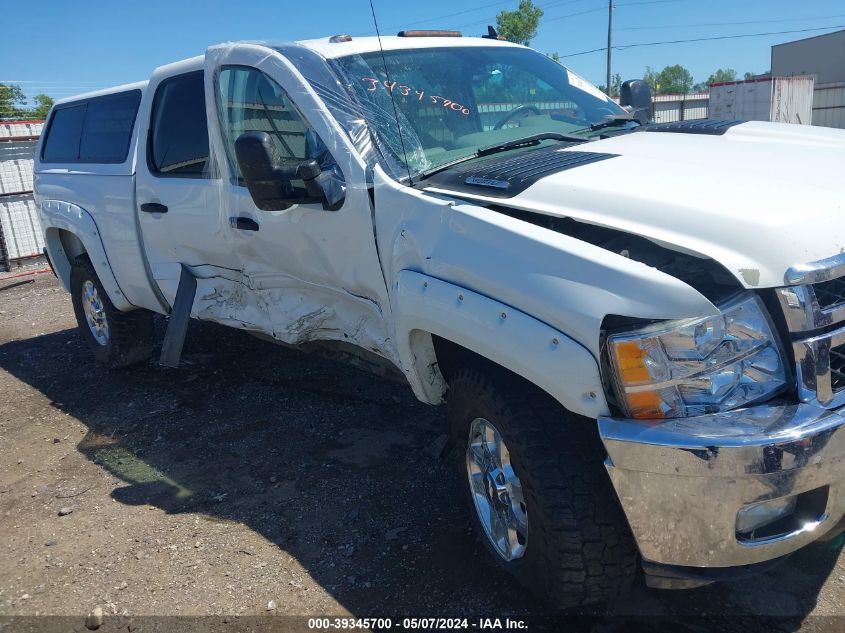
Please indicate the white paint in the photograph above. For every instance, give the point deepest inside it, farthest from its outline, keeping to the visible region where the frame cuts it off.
(762, 197)
(307, 274)
(753, 199)
(59, 215)
(360, 45)
(138, 85)
(544, 356)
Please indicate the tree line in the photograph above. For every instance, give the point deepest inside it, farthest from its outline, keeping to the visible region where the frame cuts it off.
(678, 80)
(13, 104)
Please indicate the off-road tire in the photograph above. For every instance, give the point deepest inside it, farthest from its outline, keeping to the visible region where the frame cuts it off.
(579, 547)
(130, 334)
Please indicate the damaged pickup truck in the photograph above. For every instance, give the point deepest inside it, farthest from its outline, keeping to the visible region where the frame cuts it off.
(639, 329)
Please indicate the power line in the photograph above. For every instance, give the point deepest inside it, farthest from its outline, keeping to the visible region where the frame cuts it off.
(572, 15)
(602, 8)
(487, 21)
(680, 26)
(448, 15)
(545, 5)
(623, 47)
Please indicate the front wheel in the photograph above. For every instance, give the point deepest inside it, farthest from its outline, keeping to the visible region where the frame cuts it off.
(539, 497)
(117, 339)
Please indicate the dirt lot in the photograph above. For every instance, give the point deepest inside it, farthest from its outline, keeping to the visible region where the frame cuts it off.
(254, 474)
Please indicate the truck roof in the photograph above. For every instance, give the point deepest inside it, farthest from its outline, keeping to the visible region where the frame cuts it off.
(138, 85)
(324, 46)
(370, 44)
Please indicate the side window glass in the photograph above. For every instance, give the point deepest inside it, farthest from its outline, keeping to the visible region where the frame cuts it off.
(108, 128)
(248, 101)
(178, 144)
(64, 135)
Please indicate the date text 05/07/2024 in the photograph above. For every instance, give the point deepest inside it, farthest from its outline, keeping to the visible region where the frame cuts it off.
(414, 624)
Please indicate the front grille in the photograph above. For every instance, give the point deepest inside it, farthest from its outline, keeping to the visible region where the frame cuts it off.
(837, 368)
(815, 315)
(830, 293)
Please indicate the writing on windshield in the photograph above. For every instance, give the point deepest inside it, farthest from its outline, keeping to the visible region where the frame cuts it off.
(405, 91)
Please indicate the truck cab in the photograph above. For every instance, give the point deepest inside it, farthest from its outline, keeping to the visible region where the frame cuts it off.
(637, 328)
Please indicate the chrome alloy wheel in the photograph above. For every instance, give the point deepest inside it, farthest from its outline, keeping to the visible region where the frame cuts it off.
(496, 490)
(95, 313)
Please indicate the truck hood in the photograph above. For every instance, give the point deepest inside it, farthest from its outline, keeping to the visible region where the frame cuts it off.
(759, 198)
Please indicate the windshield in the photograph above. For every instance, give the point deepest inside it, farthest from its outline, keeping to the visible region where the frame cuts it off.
(453, 101)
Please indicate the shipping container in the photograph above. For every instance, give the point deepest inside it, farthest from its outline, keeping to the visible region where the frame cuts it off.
(829, 105)
(672, 108)
(779, 99)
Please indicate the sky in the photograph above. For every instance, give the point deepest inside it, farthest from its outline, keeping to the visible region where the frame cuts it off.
(62, 48)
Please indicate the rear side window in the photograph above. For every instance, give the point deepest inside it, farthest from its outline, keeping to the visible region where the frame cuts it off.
(178, 144)
(108, 128)
(65, 134)
(97, 130)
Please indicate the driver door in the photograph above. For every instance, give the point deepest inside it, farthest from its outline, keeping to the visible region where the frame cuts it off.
(308, 273)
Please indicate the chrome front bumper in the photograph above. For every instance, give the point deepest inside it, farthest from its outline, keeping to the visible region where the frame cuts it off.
(682, 482)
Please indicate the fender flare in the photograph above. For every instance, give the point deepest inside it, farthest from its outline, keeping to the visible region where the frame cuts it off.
(56, 216)
(510, 338)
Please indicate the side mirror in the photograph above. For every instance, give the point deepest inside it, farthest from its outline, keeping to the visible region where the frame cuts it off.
(269, 183)
(636, 93)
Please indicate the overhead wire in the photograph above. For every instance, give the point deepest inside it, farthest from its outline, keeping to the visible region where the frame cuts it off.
(622, 47)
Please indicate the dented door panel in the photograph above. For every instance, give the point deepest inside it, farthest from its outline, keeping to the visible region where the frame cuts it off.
(306, 274)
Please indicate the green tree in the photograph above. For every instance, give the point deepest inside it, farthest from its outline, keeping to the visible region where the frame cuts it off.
(11, 98)
(520, 25)
(616, 87)
(652, 79)
(43, 103)
(554, 57)
(722, 75)
(674, 80)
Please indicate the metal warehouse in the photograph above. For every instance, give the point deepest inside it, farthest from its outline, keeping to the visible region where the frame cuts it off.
(823, 57)
(21, 241)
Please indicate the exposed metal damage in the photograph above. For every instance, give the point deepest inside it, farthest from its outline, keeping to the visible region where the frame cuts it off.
(292, 316)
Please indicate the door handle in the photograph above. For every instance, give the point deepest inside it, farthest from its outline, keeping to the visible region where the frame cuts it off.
(153, 207)
(243, 223)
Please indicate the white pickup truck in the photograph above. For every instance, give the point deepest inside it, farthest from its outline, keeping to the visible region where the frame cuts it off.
(639, 329)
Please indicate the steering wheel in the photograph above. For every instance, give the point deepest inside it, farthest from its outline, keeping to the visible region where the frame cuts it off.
(516, 112)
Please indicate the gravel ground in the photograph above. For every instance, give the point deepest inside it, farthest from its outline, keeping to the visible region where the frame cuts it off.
(255, 473)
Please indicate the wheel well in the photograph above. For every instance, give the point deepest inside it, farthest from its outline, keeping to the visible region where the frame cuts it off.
(451, 357)
(64, 247)
(72, 245)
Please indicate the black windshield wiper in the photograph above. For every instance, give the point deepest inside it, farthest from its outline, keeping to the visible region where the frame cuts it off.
(527, 141)
(612, 120)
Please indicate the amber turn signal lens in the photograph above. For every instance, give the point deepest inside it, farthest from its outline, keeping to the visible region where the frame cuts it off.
(630, 358)
(646, 405)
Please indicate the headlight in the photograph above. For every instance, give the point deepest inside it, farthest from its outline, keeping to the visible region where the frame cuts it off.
(698, 366)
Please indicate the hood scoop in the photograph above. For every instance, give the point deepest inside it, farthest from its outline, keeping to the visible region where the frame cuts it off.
(508, 176)
(713, 127)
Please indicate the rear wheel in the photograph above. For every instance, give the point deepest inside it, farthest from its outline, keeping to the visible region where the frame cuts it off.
(116, 338)
(539, 497)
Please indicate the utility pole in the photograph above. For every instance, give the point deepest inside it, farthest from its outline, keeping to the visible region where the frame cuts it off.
(609, 43)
